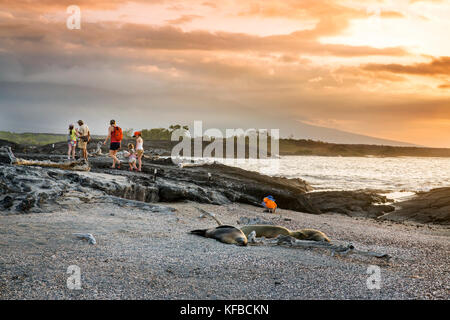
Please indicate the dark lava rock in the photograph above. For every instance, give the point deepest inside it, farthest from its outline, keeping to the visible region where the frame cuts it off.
(7, 202)
(42, 198)
(427, 207)
(214, 184)
(25, 188)
(26, 204)
(227, 184)
(351, 203)
(50, 190)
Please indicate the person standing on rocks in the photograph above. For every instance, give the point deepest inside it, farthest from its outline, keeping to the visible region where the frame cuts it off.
(116, 135)
(72, 142)
(84, 137)
(139, 148)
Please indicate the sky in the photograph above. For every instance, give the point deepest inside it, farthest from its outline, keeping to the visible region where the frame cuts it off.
(372, 67)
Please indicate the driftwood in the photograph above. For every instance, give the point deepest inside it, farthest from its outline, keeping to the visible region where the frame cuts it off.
(10, 154)
(191, 165)
(80, 165)
(212, 215)
(289, 241)
(86, 236)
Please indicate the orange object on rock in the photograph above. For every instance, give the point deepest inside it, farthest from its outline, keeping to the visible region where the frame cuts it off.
(270, 204)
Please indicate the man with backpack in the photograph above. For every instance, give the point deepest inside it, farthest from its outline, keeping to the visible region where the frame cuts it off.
(84, 136)
(116, 135)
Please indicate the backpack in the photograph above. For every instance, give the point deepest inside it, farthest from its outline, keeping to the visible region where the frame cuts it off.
(117, 133)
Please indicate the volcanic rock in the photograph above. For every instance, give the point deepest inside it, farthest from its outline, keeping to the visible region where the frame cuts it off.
(427, 207)
(351, 203)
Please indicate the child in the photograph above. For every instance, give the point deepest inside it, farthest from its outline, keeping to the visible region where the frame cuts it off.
(139, 148)
(131, 157)
(71, 142)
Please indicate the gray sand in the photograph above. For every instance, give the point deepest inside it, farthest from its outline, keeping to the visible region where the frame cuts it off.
(147, 255)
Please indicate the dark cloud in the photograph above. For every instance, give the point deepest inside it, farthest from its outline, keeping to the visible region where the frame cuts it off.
(438, 66)
(118, 35)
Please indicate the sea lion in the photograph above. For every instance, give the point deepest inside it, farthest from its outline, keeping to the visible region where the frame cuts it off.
(225, 234)
(269, 231)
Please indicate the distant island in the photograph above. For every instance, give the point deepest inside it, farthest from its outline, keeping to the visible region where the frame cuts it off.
(292, 147)
(159, 138)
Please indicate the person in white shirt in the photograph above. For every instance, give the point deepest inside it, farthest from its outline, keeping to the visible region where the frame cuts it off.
(83, 137)
(139, 148)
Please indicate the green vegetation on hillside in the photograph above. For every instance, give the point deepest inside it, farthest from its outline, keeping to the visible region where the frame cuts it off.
(32, 138)
(161, 133)
(36, 139)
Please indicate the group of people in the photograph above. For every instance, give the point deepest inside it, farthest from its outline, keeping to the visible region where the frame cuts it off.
(81, 136)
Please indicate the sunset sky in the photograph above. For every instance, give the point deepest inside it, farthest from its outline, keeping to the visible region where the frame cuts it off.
(377, 68)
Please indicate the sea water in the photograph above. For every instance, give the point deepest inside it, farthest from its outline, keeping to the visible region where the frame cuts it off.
(396, 177)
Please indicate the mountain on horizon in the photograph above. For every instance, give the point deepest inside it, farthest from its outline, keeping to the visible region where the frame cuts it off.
(297, 130)
(302, 130)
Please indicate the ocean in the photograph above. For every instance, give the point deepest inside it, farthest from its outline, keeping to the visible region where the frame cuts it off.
(397, 177)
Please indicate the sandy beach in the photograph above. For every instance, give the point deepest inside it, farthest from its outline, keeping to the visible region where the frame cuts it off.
(150, 255)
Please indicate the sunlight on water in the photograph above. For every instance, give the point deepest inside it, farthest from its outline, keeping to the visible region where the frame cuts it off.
(401, 174)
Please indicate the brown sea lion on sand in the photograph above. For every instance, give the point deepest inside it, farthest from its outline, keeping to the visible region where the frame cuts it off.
(269, 231)
(225, 234)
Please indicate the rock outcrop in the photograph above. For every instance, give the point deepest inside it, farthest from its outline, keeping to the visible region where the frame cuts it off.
(216, 184)
(160, 181)
(352, 203)
(35, 189)
(427, 207)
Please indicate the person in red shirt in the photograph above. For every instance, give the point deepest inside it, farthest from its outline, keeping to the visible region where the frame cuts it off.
(115, 143)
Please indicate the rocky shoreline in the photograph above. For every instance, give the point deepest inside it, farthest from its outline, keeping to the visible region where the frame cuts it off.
(35, 189)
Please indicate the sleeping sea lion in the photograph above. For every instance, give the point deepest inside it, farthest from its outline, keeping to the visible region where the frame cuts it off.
(225, 234)
(269, 231)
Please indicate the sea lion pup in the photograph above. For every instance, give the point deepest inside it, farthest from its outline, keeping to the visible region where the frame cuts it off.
(225, 234)
(269, 231)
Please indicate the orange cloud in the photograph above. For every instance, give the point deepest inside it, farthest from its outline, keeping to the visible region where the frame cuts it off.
(391, 14)
(332, 18)
(292, 74)
(171, 38)
(52, 5)
(184, 19)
